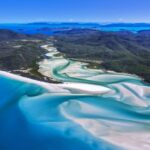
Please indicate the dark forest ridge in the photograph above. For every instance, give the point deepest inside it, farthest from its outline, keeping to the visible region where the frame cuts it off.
(121, 51)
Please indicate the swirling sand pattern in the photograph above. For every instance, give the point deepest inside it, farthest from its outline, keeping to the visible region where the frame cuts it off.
(91, 109)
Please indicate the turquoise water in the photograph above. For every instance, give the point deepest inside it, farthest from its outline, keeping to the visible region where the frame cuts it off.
(71, 116)
(30, 118)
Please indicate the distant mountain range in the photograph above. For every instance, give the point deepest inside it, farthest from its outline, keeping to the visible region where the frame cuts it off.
(49, 28)
(93, 24)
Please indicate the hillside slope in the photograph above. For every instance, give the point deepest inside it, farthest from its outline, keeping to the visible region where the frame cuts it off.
(121, 51)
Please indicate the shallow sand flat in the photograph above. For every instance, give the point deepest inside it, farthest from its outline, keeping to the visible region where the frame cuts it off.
(85, 88)
(91, 109)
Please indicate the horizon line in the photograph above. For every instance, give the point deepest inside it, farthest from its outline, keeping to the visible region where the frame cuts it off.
(53, 22)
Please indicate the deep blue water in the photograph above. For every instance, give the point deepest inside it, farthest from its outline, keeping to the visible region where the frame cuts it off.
(36, 28)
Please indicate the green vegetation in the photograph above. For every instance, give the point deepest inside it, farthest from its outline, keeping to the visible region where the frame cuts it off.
(121, 51)
(34, 70)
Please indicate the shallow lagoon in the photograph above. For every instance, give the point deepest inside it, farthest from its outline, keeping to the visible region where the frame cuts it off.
(91, 109)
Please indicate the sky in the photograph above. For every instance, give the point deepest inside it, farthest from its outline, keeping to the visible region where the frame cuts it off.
(102, 11)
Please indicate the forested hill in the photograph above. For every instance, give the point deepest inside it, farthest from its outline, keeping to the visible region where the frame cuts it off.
(121, 51)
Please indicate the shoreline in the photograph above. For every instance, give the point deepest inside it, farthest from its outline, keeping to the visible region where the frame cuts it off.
(65, 87)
